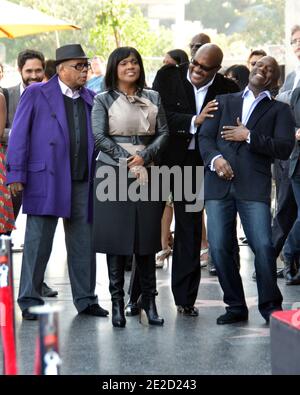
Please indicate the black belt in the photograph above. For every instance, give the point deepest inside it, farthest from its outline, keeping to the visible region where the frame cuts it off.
(134, 140)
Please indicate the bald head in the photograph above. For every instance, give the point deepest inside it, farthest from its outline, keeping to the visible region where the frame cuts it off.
(211, 51)
(205, 64)
(197, 42)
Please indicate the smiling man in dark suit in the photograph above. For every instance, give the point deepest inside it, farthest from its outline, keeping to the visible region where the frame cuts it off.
(249, 130)
(188, 95)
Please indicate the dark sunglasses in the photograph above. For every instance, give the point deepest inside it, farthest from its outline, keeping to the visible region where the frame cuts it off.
(202, 67)
(80, 66)
(196, 45)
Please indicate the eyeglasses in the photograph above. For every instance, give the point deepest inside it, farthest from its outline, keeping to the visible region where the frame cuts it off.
(202, 67)
(80, 66)
(196, 45)
(296, 41)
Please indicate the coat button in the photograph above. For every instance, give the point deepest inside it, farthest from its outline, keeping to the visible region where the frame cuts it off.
(53, 115)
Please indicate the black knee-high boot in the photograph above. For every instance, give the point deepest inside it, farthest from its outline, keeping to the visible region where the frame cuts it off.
(146, 268)
(116, 265)
(134, 291)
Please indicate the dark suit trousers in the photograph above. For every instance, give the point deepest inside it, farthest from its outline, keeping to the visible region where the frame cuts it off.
(80, 256)
(286, 212)
(186, 271)
(256, 221)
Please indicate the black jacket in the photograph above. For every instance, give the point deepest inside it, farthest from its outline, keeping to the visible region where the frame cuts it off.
(178, 98)
(272, 137)
(111, 150)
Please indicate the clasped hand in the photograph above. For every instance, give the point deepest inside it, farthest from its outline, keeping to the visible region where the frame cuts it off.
(136, 166)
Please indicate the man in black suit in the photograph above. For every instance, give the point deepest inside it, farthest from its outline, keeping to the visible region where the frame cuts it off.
(188, 95)
(238, 146)
(286, 212)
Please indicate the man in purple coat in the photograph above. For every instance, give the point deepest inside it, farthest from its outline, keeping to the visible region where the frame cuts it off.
(50, 157)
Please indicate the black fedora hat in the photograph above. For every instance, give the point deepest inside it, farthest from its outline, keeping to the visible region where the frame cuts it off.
(70, 51)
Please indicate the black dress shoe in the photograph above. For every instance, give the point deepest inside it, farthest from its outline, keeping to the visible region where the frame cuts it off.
(29, 316)
(190, 311)
(48, 292)
(231, 318)
(131, 309)
(267, 316)
(95, 310)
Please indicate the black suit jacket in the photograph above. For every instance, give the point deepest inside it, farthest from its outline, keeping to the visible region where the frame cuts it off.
(178, 99)
(272, 136)
(294, 162)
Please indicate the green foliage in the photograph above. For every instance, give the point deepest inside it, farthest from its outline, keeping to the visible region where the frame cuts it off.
(119, 23)
(265, 23)
(257, 22)
(104, 25)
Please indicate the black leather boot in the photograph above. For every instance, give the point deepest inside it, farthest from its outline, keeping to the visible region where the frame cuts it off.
(118, 317)
(296, 279)
(116, 265)
(148, 312)
(288, 272)
(131, 309)
(134, 291)
(146, 303)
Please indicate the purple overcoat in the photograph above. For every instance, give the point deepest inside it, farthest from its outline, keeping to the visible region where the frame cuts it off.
(38, 152)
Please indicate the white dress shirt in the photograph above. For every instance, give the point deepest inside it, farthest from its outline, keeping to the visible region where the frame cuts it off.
(200, 95)
(22, 88)
(68, 91)
(249, 104)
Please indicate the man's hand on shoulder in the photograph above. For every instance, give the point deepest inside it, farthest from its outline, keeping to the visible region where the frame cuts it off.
(212, 106)
(15, 188)
(237, 133)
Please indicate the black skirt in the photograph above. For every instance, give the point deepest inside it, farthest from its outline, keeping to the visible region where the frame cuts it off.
(124, 227)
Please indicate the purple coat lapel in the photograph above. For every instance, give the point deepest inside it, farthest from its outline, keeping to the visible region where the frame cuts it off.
(53, 94)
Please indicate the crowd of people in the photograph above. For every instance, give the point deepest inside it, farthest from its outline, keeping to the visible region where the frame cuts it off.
(70, 124)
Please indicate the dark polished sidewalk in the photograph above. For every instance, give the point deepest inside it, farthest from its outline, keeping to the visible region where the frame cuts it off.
(184, 345)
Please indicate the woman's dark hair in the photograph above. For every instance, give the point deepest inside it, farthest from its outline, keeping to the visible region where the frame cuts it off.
(239, 74)
(119, 54)
(179, 56)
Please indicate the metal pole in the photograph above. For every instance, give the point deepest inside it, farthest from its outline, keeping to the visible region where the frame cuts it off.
(48, 360)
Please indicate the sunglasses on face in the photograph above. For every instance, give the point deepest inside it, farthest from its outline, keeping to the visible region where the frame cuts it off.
(202, 67)
(196, 45)
(80, 66)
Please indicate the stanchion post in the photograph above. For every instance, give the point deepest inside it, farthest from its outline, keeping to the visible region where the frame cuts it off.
(7, 311)
(48, 360)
